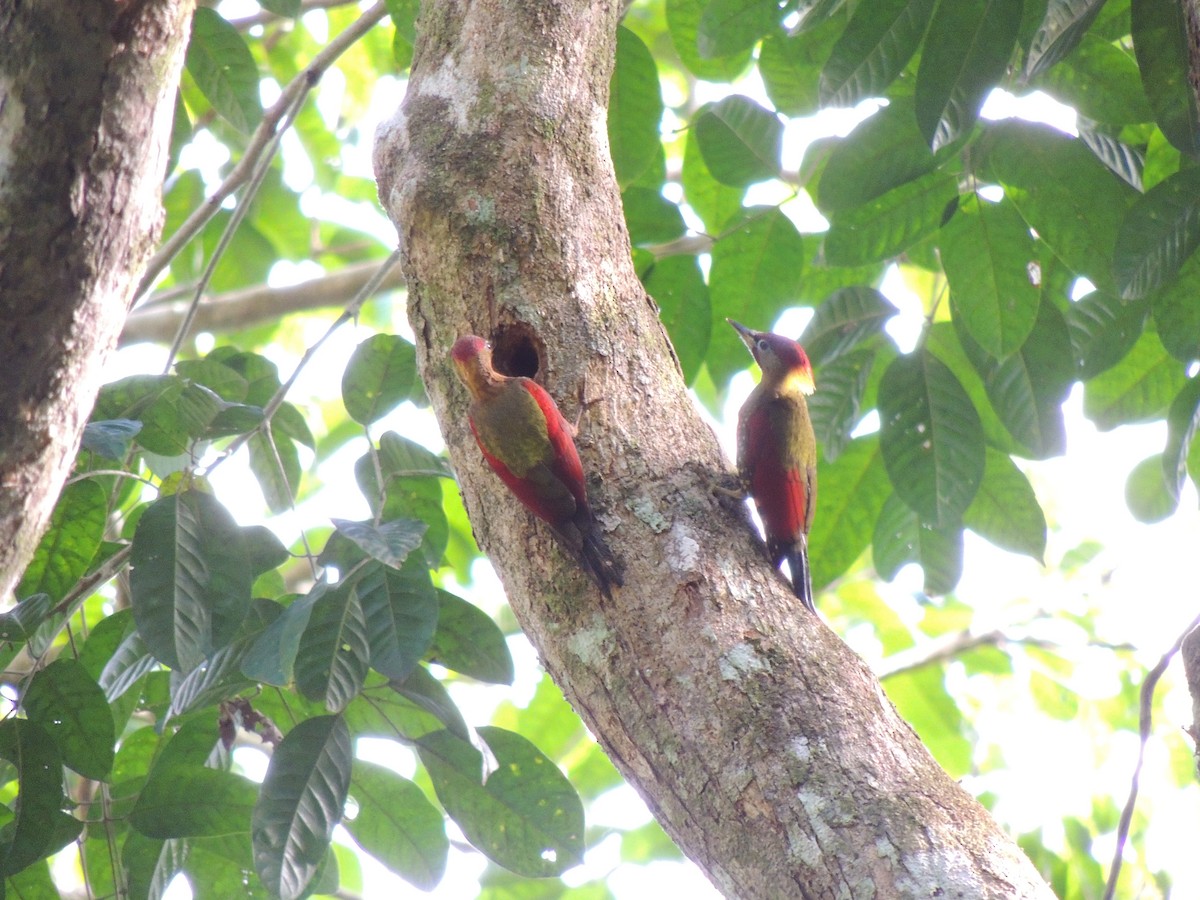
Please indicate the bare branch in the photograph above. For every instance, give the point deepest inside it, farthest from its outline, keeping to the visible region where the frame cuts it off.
(158, 320)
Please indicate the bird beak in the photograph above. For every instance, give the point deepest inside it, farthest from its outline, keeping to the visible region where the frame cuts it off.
(746, 334)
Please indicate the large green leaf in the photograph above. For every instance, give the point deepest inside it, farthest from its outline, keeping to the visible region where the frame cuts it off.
(1176, 312)
(334, 653)
(190, 584)
(397, 825)
(1161, 44)
(400, 610)
(1138, 388)
(224, 70)
(66, 701)
(1147, 494)
(1103, 328)
(1159, 233)
(1100, 80)
(378, 377)
(891, 223)
(523, 813)
(901, 538)
(966, 51)
(834, 407)
(921, 698)
(843, 321)
(756, 269)
(931, 438)
(1065, 24)
(635, 108)
(1183, 420)
(382, 711)
(469, 642)
(677, 285)
(683, 21)
(19, 624)
(986, 251)
(69, 542)
(650, 217)
(301, 802)
(739, 140)
(1005, 509)
(728, 27)
(40, 827)
(1065, 194)
(388, 542)
(790, 65)
(884, 152)
(713, 202)
(271, 657)
(877, 44)
(850, 493)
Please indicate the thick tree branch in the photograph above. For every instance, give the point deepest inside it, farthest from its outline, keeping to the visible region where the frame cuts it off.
(764, 746)
(86, 101)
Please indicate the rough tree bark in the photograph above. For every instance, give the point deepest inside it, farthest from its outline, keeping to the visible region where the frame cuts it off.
(87, 96)
(762, 743)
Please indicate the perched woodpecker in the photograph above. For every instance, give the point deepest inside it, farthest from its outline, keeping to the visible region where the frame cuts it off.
(777, 451)
(529, 444)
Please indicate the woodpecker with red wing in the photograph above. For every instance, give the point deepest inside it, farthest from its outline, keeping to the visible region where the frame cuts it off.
(777, 452)
(529, 444)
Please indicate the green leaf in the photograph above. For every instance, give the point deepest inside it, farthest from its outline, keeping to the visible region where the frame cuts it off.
(1126, 162)
(1183, 419)
(1065, 194)
(301, 802)
(986, 251)
(757, 267)
(1103, 328)
(1161, 44)
(40, 827)
(901, 538)
(728, 27)
(635, 108)
(276, 466)
(1066, 22)
(224, 70)
(334, 652)
(380, 710)
(469, 642)
(388, 542)
(714, 202)
(931, 438)
(397, 825)
(68, 703)
(884, 227)
(845, 319)
(683, 21)
(524, 814)
(150, 864)
(69, 543)
(190, 583)
(217, 679)
(1177, 314)
(400, 610)
(739, 140)
(966, 51)
(1137, 389)
(883, 152)
(650, 217)
(110, 438)
(272, 656)
(1027, 388)
(834, 408)
(1159, 233)
(677, 285)
(790, 65)
(852, 492)
(1146, 492)
(1101, 81)
(264, 551)
(378, 377)
(19, 624)
(187, 800)
(1005, 509)
(877, 44)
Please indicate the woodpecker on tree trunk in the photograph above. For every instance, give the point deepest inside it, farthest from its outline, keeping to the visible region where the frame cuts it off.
(529, 444)
(777, 451)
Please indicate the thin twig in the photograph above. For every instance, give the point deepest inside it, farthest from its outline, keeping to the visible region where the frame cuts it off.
(1144, 721)
(298, 87)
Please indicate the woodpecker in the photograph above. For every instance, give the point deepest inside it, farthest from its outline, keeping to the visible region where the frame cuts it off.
(529, 444)
(777, 451)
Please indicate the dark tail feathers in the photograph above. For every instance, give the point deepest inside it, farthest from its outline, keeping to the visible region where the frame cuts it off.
(585, 544)
(797, 557)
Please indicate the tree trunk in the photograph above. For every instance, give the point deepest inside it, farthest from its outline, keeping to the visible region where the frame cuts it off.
(764, 746)
(87, 95)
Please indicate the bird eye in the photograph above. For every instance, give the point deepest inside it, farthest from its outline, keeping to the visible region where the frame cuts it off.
(762, 344)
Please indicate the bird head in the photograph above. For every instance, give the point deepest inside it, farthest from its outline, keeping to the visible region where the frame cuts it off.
(782, 360)
(472, 357)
